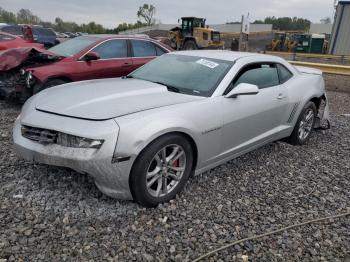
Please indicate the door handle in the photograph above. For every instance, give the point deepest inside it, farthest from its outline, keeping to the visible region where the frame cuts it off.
(280, 96)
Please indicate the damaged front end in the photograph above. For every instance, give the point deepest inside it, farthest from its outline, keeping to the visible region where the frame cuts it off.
(15, 82)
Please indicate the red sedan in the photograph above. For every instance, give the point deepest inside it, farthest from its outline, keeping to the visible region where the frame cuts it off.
(8, 41)
(92, 57)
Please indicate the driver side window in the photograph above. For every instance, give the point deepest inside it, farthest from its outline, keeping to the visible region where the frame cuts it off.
(263, 75)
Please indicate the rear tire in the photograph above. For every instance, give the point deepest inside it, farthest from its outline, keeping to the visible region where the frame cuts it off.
(54, 82)
(304, 125)
(190, 45)
(161, 170)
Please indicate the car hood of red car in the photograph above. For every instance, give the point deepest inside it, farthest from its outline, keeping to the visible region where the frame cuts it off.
(12, 58)
(107, 98)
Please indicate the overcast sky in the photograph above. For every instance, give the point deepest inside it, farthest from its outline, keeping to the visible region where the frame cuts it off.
(112, 12)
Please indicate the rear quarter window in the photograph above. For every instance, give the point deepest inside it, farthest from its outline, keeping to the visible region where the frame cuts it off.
(143, 48)
(284, 73)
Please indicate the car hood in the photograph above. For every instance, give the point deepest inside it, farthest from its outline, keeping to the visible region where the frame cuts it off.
(107, 98)
(15, 57)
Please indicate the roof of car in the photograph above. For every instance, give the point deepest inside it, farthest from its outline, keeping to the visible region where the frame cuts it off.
(220, 54)
(107, 36)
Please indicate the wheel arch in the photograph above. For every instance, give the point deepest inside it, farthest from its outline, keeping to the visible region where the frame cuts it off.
(186, 135)
(318, 100)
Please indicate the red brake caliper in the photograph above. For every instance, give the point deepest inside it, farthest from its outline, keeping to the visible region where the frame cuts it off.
(176, 164)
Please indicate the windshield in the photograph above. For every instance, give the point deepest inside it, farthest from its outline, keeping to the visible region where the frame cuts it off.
(73, 46)
(186, 74)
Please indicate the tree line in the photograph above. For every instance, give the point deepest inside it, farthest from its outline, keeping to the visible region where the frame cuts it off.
(25, 16)
(146, 15)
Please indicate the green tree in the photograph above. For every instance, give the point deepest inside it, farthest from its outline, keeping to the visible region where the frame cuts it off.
(146, 12)
(25, 16)
(7, 17)
(288, 23)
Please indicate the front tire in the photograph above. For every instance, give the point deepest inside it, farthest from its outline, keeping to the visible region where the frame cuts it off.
(304, 125)
(161, 170)
(190, 45)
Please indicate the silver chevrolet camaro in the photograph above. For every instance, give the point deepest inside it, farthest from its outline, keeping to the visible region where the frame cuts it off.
(143, 135)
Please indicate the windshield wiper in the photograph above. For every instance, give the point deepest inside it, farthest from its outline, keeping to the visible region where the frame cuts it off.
(170, 88)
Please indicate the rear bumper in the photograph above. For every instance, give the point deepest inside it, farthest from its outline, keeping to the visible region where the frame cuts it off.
(111, 178)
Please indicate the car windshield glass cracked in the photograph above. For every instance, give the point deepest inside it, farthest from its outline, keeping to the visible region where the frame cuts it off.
(185, 73)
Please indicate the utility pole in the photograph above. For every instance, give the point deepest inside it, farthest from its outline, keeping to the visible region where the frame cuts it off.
(241, 35)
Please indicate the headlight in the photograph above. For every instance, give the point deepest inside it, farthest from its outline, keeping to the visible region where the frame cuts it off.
(78, 142)
(29, 79)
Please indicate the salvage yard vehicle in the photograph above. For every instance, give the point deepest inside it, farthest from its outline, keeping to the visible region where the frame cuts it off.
(77, 59)
(194, 34)
(45, 36)
(8, 41)
(141, 136)
(38, 34)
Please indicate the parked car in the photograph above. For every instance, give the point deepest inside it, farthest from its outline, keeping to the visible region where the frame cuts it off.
(92, 57)
(45, 36)
(62, 35)
(16, 30)
(8, 41)
(70, 34)
(39, 34)
(142, 136)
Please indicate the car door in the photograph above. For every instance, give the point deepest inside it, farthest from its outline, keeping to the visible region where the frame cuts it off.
(251, 120)
(114, 61)
(144, 51)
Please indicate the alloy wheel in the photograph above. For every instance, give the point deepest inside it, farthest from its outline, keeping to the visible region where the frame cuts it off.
(306, 124)
(166, 170)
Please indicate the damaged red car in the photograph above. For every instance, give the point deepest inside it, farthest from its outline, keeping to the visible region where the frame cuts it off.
(81, 58)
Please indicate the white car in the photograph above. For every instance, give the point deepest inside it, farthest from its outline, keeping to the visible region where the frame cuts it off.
(142, 136)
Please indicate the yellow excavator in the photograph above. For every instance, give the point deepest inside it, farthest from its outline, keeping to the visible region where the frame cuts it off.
(283, 42)
(194, 34)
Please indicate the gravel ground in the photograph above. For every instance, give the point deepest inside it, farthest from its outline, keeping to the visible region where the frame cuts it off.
(54, 214)
(337, 83)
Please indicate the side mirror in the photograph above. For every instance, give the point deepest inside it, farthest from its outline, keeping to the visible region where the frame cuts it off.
(91, 56)
(243, 89)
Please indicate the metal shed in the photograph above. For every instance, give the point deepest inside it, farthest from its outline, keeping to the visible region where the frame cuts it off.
(340, 41)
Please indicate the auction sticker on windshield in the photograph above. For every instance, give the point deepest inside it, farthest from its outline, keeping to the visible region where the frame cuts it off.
(207, 63)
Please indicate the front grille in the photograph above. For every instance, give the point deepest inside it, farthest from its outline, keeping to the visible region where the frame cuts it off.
(215, 36)
(43, 136)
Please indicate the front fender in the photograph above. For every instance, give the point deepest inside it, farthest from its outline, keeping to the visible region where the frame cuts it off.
(134, 137)
(203, 126)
